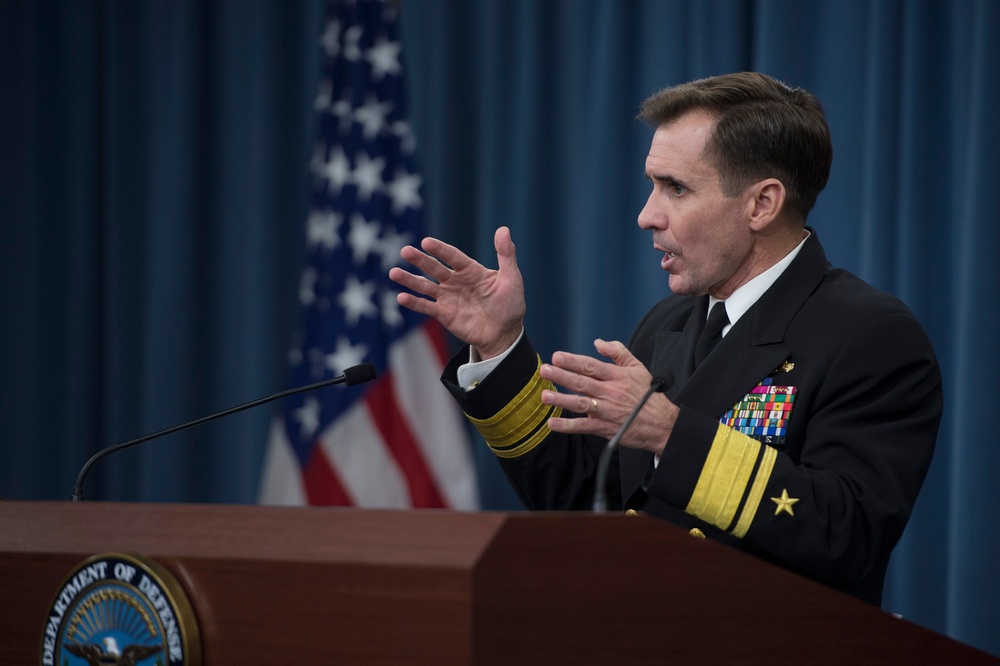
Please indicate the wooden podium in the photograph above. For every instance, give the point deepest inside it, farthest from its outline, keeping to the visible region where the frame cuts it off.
(340, 586)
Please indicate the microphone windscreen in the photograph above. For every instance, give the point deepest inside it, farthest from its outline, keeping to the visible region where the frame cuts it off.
(359, 374)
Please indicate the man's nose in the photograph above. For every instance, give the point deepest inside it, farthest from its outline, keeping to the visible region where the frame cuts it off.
(647, 216)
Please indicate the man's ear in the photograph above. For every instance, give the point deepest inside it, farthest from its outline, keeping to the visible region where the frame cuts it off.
(766, 202)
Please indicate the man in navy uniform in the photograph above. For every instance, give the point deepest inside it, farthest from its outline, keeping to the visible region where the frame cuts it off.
(797, 420)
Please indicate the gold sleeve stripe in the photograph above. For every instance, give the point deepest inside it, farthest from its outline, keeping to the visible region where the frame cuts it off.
(530, 443)
(724, 477)
(520, 425)
(756, 492)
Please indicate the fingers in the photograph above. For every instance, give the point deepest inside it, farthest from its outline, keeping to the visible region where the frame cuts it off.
(419, 305)
(437, 260)
(577, 380)
(506, 255)
(591, 367)
(594, 423)
(445, 253)
(430, 264)
(579, 404)
(579, 364)
(416, 283)
(581, 426)
(585, 377)
(617, 352)
(614, 385)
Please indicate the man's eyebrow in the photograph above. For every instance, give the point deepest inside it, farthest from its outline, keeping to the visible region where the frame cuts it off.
(666, 179)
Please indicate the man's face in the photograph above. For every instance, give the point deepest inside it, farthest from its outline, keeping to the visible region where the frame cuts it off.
(705, 236)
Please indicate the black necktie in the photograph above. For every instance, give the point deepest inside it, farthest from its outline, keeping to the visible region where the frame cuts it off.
(712, 333)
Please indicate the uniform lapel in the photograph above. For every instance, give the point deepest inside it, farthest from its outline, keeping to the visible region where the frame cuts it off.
(749, 352)
(673, 352)
(754, 346)
(672, 361)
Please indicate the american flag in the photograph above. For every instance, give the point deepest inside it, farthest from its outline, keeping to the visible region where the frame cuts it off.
(399, 441)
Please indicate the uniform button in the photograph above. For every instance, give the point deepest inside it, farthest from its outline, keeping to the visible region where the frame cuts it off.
(631, 512)
(696, 533)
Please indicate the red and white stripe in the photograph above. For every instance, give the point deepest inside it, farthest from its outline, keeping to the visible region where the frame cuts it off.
(403, 445)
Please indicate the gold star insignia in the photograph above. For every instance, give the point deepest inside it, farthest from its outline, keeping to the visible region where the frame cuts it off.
(784, 503)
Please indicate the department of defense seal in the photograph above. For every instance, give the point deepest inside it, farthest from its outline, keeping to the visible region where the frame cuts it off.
(124, 610)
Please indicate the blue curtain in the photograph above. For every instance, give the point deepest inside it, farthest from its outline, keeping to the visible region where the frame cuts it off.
(154, 194)
(153, 176)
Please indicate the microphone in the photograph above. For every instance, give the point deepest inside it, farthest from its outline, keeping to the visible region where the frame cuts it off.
(601, 485)
(357, 374)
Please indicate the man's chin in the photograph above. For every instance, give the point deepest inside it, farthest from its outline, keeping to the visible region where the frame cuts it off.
(678, 285)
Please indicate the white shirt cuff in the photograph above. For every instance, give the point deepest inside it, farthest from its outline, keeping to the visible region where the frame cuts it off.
(473, 372)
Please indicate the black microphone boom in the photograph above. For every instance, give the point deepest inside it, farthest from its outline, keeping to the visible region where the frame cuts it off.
(601, 484)
(357, 374)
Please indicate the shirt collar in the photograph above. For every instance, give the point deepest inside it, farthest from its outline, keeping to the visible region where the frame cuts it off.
(743, 298)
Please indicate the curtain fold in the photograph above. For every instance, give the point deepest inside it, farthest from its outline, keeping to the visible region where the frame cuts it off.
(153, 181)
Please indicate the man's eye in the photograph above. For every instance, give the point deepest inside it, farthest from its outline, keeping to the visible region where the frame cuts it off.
(677, 190)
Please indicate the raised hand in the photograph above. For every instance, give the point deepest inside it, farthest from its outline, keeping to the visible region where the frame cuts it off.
(481, 307)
